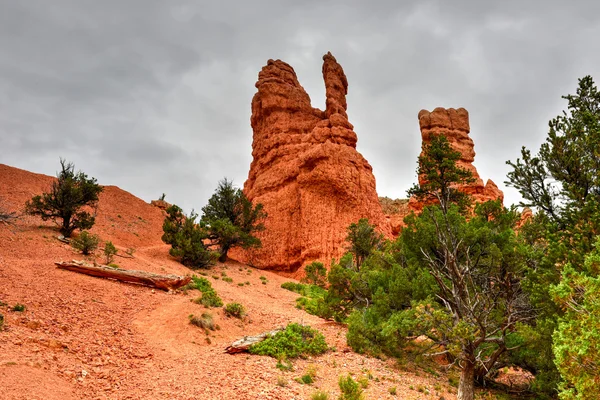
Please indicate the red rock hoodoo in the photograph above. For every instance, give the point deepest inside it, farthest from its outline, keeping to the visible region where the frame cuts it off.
(306, 170)
(454, 124)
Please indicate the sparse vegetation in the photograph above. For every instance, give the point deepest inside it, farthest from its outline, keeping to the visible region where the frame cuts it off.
(109, 252)
(235, 310)
(293, 342)
(86, 242)
(18, 307)
(312, 297)
(350, 389)
(205, 321)
(7, 217)
(1, 321)
(281, 381)
(319, 395)
(209, 297)
(393, 390)
(67, 200)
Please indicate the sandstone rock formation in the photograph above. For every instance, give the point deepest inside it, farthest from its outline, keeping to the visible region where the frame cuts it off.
(454, 124)
(306, 170)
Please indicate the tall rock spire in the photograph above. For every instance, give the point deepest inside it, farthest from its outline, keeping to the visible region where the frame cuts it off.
(306, 170)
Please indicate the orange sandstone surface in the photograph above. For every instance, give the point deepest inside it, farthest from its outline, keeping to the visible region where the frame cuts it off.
(306, 170)
(454, 124)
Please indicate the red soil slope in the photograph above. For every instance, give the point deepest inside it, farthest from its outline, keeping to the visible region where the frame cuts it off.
(87, 338)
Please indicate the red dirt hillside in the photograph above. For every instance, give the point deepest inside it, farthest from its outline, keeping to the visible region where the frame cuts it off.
(82, 337)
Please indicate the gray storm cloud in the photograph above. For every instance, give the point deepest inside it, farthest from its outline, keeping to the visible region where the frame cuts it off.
(155, 96)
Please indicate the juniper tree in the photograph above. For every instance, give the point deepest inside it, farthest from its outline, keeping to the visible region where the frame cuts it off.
(71, 198)
(231, 220)
(476, 262)
(562, 183)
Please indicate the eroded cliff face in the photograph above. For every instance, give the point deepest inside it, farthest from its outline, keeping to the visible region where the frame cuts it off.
(306, 170)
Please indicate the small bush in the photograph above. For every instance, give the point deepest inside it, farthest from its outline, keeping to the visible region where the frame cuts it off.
(393, 391)
(86, 242)
(319, 395)
(228, 279)
(205, 321)
(293, 342)
(19, 307)
(201, 284)
(309, 376)
(281, 381)
(109, 252)
(209, 298)
(305, 379)
(312, 297)
(350, 389)
(316, 274)
(235, 310)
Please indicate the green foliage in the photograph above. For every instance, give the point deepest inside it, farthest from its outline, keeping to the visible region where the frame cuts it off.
(577, 337)
(109, 252)
(363, 240)
(312, 297)
(70, 196)
(86, 242)
(235, 310)
(209, 297)
(186, 238)
(19, 307)
(319, 395)
(309, 376)
(205, 321)
(562, 182)
(231, 220)
(316, 274)
(440, 176)
(293, 342)
(350, 389)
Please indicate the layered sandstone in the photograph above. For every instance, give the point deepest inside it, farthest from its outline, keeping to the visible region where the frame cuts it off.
(454, 124)
(306, 170)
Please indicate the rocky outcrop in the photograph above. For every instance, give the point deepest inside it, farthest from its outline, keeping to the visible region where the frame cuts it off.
(454, 124)
(306, 170)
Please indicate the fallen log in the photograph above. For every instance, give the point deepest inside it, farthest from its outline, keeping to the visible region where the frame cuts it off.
(243, 344)
(164, 282)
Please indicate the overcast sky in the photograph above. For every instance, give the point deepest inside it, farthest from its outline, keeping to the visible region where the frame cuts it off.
(154, 96)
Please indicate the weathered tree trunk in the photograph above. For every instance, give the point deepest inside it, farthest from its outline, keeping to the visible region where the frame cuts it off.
(466, 386)
(223, 256)
(244, 343)
(164, 282)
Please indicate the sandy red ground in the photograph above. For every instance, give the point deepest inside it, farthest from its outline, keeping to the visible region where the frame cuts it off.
(88, 338)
